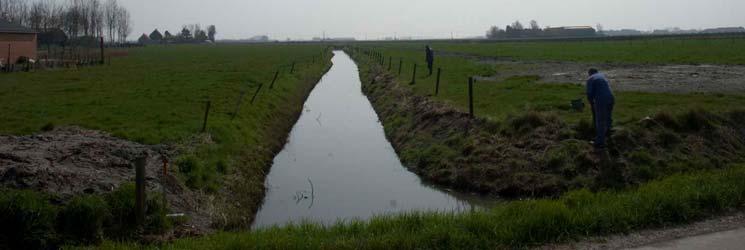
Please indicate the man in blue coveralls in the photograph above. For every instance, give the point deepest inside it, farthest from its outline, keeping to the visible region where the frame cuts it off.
(430, 57)
(601, 99)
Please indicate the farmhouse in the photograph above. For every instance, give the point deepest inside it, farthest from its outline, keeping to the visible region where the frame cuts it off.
(16, 42)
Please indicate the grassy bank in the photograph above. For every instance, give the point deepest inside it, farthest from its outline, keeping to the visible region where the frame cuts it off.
(529, 151)
(157, 95)
(673, 200)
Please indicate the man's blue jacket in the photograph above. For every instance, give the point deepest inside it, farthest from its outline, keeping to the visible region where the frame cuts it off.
(598, 90)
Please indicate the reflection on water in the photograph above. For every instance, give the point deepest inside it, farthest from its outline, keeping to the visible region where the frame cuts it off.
(338, 165)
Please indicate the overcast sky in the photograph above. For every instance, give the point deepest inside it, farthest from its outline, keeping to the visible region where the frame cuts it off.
(374, 19)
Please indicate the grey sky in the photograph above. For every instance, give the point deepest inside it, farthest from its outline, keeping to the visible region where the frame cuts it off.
(304, 19)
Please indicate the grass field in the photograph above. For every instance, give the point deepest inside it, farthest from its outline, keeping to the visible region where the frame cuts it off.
(640, 50)
(158, 95)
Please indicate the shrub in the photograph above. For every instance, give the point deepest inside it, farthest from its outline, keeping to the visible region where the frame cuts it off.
(667, 138)
(568, 158)
(584, 130)
(48, 127)
(156, 221)
(122, 222)
(666, 119)
(82, 220)
(696, 120)
(26, 220)
(641, 158)
(530, 121)
(222, 167)
(197, 175)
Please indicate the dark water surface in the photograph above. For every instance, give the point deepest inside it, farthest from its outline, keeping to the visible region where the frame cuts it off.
(338, 165)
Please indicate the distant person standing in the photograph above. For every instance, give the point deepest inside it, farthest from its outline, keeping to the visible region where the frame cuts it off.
(430, 58)
(601, 99)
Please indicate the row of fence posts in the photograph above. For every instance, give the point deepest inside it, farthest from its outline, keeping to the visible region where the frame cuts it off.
(255, 95)
(141, 162)
(79, 61)
(380, 57)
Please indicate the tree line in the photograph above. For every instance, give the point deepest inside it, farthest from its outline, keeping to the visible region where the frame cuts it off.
(518, 30)
(192, 33)
(73, 18)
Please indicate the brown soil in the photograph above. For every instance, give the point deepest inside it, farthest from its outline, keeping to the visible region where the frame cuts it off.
(72, 161)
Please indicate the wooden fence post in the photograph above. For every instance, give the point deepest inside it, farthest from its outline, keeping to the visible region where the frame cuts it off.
(140, 194)
(292, 69)
(7, 67)
(102, 52)
(271, 86)
(206, 114)
(400, 65)
(437, 84)
(257, 93)
(413, 75)
(470, 96)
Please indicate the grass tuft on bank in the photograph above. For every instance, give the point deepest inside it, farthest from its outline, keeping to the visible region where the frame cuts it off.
(33, 220)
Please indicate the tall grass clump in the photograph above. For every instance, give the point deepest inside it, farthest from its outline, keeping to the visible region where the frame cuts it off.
(26, 220)
(82, 220)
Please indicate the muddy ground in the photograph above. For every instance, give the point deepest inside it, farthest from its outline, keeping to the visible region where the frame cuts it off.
(72, 161)
(630, 77)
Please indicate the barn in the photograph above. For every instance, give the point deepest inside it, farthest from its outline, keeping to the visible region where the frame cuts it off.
(16, 42)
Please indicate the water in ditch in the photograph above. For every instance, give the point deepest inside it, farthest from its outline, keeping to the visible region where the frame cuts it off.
(338, 165)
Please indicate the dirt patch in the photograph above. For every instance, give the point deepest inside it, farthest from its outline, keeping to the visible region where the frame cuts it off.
(73, 161)
(629, 77)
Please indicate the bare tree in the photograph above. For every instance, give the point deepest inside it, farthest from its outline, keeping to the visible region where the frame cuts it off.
(111, 15)
(95, 17)
(194, 28)
(71, 18)
(124, 24)
(37, 14)
(211, 32)
(517, 26)
(14, 11)
(185, 34)
(534, 25)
